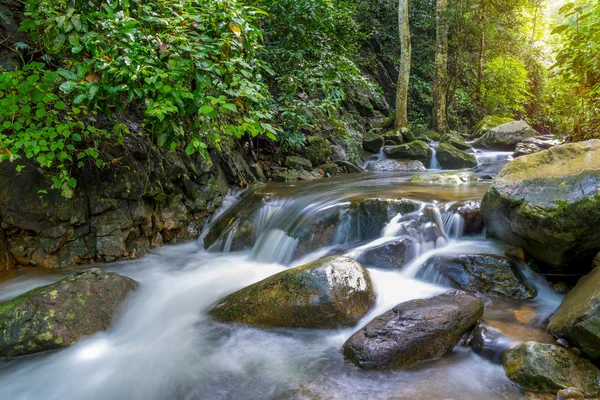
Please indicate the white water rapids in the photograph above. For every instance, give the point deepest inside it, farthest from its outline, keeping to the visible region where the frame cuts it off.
(165, 346)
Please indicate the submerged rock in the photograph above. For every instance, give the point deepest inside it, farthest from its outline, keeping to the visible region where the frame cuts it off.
(546, 368)
(489, 342)
(548, 203)
(396, 166)
(445, 178)
(390, 255)
(328, 293)
(415, 150)
(58, 315)
(480, 273)
(450, 157)
(487, 123)
(414, 332)
(578, 317)
(507, 136)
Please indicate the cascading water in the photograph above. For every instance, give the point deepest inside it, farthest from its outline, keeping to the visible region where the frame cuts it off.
(434, 164)
(165, 346)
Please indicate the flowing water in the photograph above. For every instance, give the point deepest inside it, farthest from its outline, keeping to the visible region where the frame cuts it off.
(165, 346)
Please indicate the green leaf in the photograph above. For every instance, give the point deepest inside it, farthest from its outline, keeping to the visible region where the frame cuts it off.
(206, 110)
(65, 73)
(60, 105)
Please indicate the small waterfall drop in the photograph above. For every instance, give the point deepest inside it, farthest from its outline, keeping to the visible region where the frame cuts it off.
(434, 164)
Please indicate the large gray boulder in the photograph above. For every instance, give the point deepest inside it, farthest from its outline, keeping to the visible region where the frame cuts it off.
(479, 273)
(507, 136)
(535, 145)
(548, 203)
(328, 293)
(58, 315)
(578, 317)
(414, 332)
(488, 123)
(546, 368)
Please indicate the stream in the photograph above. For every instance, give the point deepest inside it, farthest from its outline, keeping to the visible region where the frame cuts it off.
(165, 346)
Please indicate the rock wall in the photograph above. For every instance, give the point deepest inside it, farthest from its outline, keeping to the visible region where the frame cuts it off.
(146, 198)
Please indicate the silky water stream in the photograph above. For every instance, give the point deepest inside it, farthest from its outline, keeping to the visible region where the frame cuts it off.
(165, 346)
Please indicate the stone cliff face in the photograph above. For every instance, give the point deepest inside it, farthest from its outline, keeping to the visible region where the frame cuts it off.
(146, 198)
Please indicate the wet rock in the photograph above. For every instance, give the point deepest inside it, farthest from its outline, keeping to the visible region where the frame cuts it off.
(58, 315)
(569, 393)
(450, 157)
(329, 293)
(507, 136)
(295, 162)
(414, 332)
(390, 255)
(470, 212)
(517, 253)
(446, 178)
(548, 203)
(535, 145)
(487, 123)
(578, 317)
(235, 227)
(479, 273)
(331, 169)
(596, 262)
(431, 135)
(415, 150)
(489, 342)
(317, 233)
(373, 143)
(350, 167)
(546, 368)
(455, 141)
(372, 215)
(396, 166)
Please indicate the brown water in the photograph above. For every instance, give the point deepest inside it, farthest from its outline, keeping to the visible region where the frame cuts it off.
(164, 346)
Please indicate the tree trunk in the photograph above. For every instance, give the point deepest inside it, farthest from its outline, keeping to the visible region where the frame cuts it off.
(440, 81)
(480, 58)
(405, 60)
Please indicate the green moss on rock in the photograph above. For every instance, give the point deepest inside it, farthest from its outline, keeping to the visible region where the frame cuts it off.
(415, 150)
(546, 368)
(449, 157)
(329, 293)
(488, 122)
(58, 315)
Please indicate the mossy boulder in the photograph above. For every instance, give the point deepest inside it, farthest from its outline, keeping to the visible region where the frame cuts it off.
(318, 150)
(427, 133)
(330, 168)
(456, 141)
(329, 293)
(546, 368)
(479, 273)
(449, 157)
(487, 123)
(58, 315)
(373, 143)
(295, 162)
(414, 332)
(506, 137)
(548, 203)
(578, 317)
(415, 150)
(445, 178)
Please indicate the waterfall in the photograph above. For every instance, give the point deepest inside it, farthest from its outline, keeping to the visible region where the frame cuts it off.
(434, 165)
(274, 246)
(454, 225)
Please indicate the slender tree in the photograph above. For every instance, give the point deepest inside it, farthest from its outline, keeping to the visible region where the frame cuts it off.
(440, 81)
(405, 61)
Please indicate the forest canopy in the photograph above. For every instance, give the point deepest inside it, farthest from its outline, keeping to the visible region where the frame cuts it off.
(198, 74)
